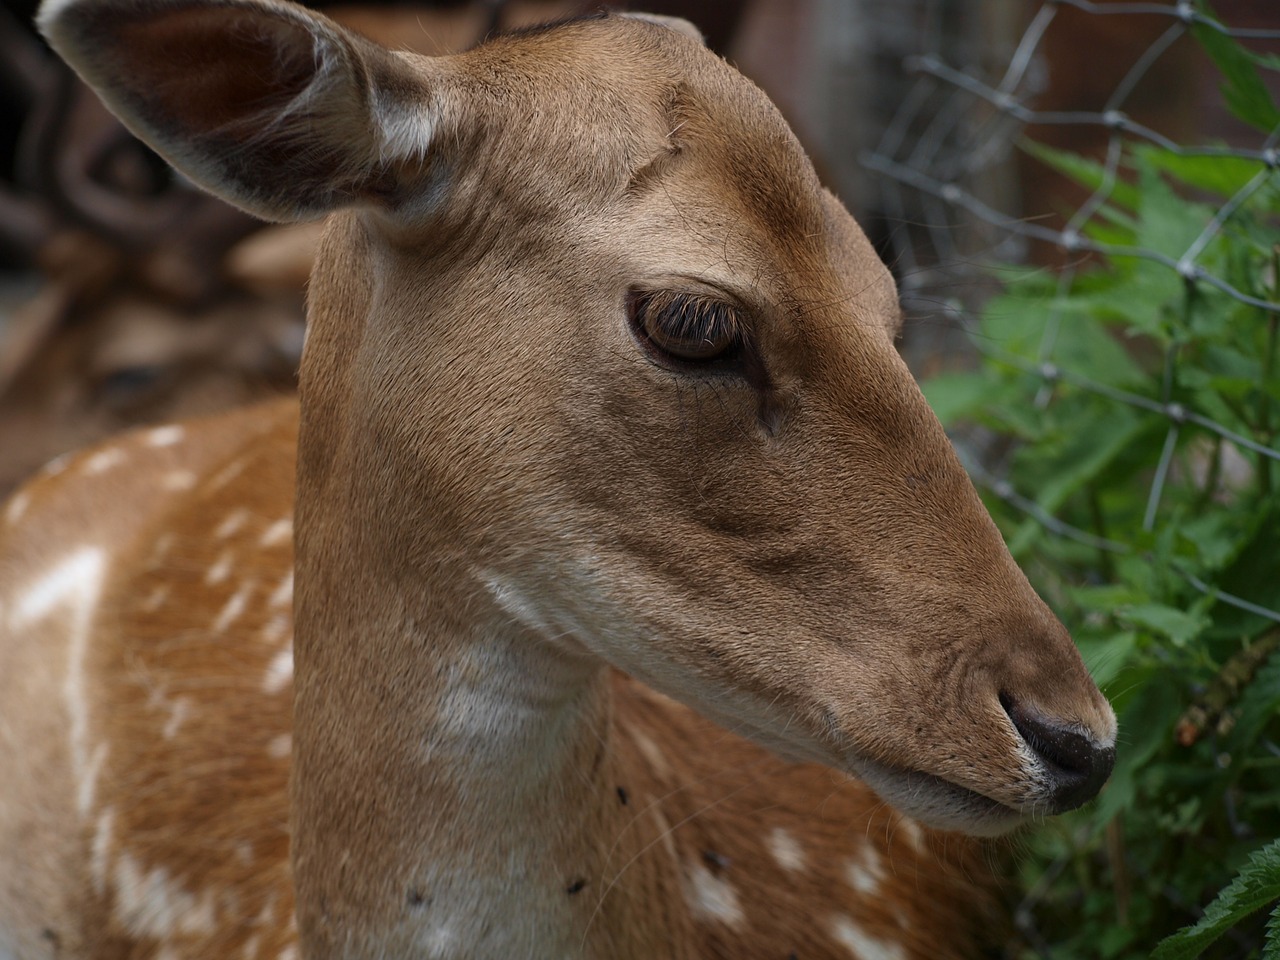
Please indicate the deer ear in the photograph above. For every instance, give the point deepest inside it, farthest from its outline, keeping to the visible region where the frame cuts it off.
(272, 107)
(678, 24)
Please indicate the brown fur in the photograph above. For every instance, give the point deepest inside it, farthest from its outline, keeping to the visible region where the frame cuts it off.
(501, 505)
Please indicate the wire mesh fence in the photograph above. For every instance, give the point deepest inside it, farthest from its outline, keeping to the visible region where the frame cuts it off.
(952, 170)
(936, 159)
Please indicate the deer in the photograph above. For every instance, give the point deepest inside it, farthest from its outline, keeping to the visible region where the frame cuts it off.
(609, 590)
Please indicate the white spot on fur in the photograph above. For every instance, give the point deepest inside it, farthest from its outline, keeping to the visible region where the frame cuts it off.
(164, 436)
(232, 524)
(17, 507)
(164, 543)
(104, 460)
(234, 607)
(101, 850)
(156, 598)
(179, 708)
(276, 629)
(786, 850)
(474, 708)
(150, 904)
(278, 534)
(178, 480)
(228, 473)
(283, 595)
(56, 465)
(289, 953)
(712, 897)
(861, 944)
(71, 581)
(439, 940)
(911, 832)
(652, 754)
(866, 873)
(279, 671)
(220, 570)
(280, 746)
(664, 828)
(89, 779)
(73, 584)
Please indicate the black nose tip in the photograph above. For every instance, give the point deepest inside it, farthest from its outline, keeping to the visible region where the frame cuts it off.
(1077, 765)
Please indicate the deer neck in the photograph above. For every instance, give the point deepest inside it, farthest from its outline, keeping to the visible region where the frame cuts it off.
(455, 781)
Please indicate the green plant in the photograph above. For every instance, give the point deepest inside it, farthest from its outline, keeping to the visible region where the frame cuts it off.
(1128, 407)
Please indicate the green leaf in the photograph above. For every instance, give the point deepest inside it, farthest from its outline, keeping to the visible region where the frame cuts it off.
(1086, 172)
(1272, 950)
(1091, 450)
(1258, 705)
(955, 396)
(1255, 571)
(1257, 885)
(1224, 176)
(1244, 92)
(1168, 222)
(1106, 598)
(1179, 626)
(1217, 537)
(1106, 656)
(1147, 717)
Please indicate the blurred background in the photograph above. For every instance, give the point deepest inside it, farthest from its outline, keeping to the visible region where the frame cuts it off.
(1081, 202)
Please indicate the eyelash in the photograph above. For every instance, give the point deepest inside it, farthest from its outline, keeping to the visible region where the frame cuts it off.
(687, 332)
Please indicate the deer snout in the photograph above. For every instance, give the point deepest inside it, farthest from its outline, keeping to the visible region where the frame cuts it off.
(1076, 761)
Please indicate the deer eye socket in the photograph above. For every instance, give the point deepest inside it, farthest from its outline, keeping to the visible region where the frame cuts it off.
(685, 330)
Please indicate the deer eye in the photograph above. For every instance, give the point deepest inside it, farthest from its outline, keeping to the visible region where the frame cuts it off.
(685, 330)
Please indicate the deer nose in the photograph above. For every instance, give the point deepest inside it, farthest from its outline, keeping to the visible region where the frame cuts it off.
(1077, 764)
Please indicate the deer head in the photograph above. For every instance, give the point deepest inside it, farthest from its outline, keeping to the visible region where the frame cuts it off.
(782, 535)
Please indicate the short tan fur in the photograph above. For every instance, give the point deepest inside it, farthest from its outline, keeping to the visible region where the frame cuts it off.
(608, 478)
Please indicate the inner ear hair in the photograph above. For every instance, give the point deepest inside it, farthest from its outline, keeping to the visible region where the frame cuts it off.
(274, 108)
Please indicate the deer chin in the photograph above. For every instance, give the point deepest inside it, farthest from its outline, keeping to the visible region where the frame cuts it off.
(936, 802)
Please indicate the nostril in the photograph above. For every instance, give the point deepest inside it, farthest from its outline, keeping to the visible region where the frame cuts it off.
(1065, 749)
(1077, 765)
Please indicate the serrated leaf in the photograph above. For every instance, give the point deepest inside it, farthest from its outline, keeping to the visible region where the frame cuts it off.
(1257, 885)
(1217, 537)
(1243, 91)
(1224, 176)
(1168, 223)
